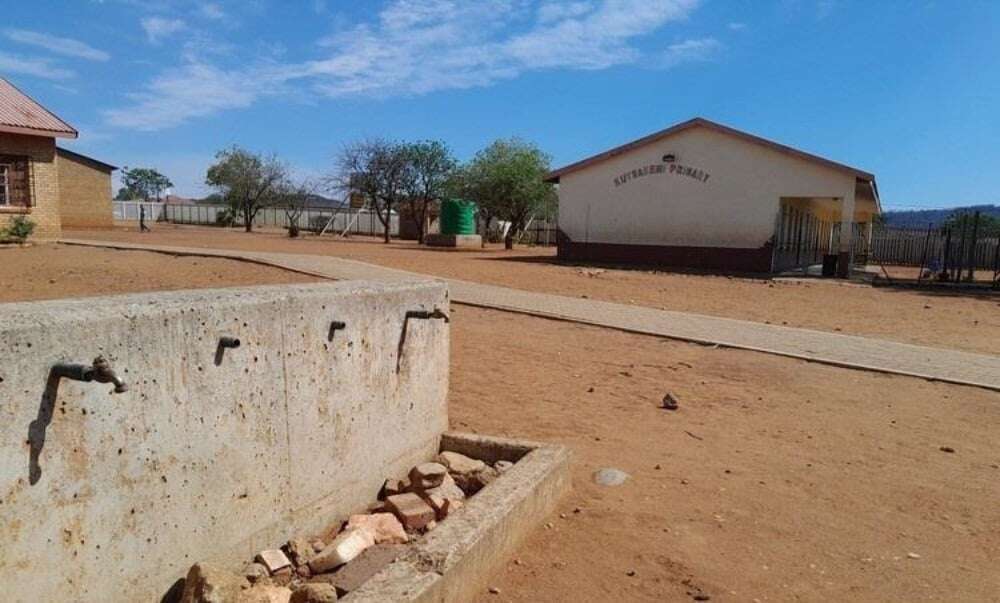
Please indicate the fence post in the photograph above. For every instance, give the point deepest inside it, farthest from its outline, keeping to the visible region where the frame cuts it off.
(972, 248)
(923, 257)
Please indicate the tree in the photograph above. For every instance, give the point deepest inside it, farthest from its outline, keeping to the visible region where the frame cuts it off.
(461, 185)
(378, 171)
(248, 181)
(294, 197)
(144, 183)
(506, 179)
(124, 194)
(430, 164)
(988, 225)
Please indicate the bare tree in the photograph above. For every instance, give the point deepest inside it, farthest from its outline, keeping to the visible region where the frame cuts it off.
(294, 198)
(430, 166)
(378, 170)
(248, 181)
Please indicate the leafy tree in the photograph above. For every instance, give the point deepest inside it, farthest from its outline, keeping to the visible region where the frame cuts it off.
(430, 164)
(506, 179)
(144, 183)
(989, 226)
(247, 181)
(124, 194)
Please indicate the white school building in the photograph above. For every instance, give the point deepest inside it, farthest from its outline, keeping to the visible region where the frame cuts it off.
(705, 196)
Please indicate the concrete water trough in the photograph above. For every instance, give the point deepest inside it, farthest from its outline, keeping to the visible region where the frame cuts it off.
(454, 561)
(140, 434)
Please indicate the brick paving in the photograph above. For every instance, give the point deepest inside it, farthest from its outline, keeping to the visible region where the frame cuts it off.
(850, 351)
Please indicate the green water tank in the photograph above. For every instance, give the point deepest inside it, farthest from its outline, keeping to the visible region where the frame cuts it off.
(458, 217)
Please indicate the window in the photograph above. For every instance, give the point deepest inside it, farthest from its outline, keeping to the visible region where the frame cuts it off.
(15, 181)
(4, 184)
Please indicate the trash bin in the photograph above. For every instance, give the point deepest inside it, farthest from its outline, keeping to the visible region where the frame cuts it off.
(830, 265)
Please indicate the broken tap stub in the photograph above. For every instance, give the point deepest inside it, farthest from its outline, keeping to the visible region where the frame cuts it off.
(229, 342)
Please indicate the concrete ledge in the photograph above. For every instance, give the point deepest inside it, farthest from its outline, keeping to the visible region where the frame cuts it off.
(214, 452)
(455, 561)
(447, 240)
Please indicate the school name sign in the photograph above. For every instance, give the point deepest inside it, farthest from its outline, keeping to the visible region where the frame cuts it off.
(665, 169)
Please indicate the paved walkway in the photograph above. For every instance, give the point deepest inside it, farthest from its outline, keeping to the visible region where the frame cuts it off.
(829, 348)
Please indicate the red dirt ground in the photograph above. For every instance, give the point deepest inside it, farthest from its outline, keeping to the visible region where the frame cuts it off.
(961, 322)
(776, 480)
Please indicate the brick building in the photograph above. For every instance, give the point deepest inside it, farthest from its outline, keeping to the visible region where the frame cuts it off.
(53, 187)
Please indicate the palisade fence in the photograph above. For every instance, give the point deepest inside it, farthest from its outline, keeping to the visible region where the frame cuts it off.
(539, 232)
(353, 221)
(959, 252)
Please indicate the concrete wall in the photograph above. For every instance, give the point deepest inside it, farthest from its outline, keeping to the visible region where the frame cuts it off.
(111, 497)
(84, 193)
(735, 207)
(45, 204)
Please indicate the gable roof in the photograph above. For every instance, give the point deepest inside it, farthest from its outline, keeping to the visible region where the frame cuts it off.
(704, 123)
(94, 163)
(20, 114)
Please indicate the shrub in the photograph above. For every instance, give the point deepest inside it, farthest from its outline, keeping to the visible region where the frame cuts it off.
(225, 217)
(19, 230)
(316, 223)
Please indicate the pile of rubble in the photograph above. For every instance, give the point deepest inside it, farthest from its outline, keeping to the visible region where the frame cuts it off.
(319, 569)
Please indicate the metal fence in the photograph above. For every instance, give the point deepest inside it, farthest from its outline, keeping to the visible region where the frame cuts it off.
(539, 233)
(802, 239)
(958, 252)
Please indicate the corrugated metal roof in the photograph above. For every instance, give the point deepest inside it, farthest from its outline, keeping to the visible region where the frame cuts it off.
(22, 115)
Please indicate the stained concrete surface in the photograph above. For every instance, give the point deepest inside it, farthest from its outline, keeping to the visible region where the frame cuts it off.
(111, 497)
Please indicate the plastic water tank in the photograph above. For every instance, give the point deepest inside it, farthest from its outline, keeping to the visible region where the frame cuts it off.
(458, 217)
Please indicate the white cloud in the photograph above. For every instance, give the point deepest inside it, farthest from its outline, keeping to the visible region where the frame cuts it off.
(157, 28)
(702, 49)
(194, 90)
(420, 46)
(211, 10)
(825, 8)
(33, 66)
(737, 26)
(555, 11)
(64, 46)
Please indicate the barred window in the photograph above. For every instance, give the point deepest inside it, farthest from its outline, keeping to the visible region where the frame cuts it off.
(15, 181)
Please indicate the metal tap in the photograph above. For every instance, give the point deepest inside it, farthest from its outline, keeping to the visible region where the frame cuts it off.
(100, 371)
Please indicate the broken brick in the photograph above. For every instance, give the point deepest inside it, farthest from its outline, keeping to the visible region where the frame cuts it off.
(411, 510)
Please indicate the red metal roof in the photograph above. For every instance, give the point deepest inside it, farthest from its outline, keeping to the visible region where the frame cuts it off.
(22, 115)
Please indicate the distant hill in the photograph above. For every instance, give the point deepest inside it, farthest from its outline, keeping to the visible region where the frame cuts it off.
(315, 201)
(918, 218)
(321, 201)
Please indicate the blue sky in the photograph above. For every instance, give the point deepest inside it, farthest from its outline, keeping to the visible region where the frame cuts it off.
(907, 89)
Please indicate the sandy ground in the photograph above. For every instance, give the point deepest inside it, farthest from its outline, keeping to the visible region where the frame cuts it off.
(962, 322)
(48, 271)
(777, 479)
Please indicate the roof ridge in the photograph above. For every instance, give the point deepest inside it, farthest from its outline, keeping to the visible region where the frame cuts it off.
(713, 125)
